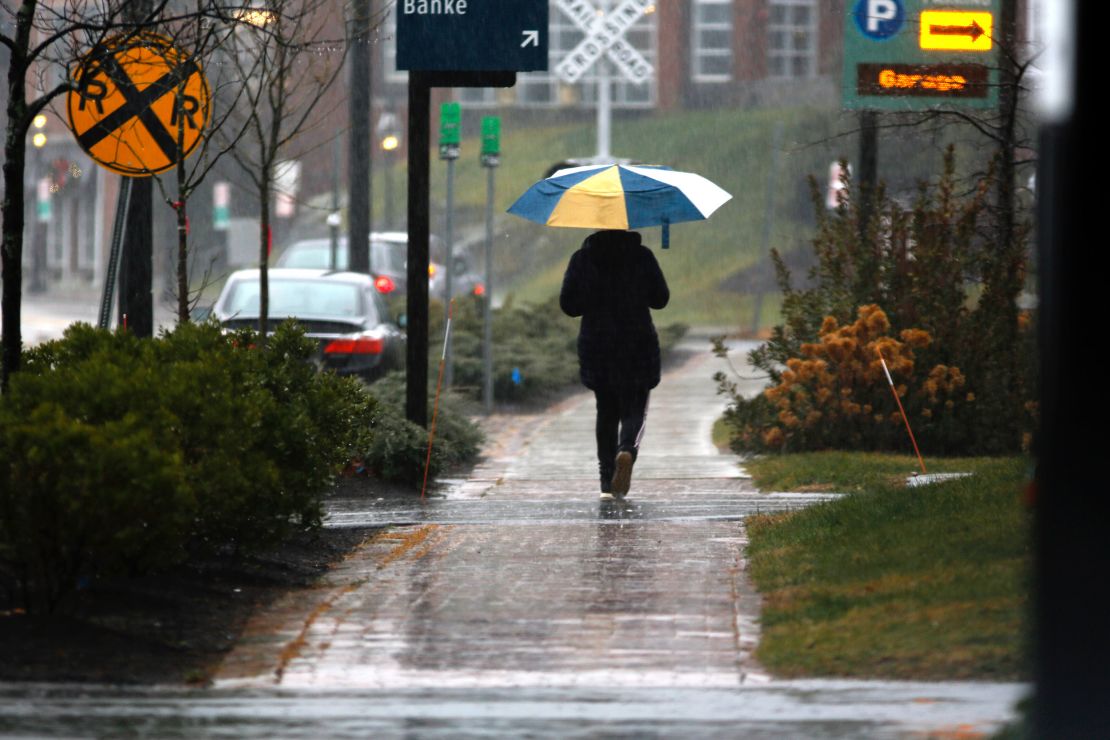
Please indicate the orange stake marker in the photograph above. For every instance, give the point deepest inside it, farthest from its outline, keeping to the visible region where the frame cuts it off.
(435, 406)
(898, 401)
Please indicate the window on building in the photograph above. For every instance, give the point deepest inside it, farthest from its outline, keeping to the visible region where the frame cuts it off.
(711, 41)
(792, 39)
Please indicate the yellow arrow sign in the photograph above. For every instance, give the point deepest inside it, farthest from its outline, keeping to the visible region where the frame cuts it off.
(956, 30)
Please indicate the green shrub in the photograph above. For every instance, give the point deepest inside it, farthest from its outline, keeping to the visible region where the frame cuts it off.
(931, 270)
(535, 353)
(79, 498)
(398, 448)
(119, 454)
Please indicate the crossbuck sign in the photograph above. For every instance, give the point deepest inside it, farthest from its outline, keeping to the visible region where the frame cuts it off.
(604, 36)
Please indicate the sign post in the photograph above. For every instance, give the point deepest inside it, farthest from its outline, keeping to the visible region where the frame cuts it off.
(451, 43)
(491, 158)
(450, 124)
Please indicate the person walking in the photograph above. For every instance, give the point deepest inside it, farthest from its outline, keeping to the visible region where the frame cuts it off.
(612, 282)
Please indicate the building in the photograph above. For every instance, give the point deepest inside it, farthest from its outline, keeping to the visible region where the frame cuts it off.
(704, 53)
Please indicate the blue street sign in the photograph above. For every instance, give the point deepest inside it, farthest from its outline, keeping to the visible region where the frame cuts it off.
(879, 20)
(471, 35)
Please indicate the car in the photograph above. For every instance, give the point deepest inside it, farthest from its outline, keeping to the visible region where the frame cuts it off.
(342, 311)
(388, 263)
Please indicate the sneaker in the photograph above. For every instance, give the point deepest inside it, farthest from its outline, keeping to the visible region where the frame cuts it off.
(622, 478)
(606, 496)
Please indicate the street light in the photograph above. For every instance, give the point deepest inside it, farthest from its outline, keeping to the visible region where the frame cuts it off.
(390, 141)
(38, 244)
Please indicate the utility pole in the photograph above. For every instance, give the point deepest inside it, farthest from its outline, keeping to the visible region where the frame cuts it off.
(868, 166)
(358, 163)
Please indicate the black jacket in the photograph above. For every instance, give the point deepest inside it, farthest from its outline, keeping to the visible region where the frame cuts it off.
(612, 282)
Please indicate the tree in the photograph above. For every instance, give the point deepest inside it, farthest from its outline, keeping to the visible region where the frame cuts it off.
(203, 36)
(277, 53)
(39, 37)
(42, 40)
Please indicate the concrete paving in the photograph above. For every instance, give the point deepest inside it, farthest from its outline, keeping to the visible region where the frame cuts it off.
(520, 576)
(517, 588)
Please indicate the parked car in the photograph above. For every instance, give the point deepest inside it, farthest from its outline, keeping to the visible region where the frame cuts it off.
(343, 311)
(388, 263)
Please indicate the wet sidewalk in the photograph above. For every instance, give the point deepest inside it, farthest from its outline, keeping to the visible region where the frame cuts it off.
(520, 576)
(514, 602)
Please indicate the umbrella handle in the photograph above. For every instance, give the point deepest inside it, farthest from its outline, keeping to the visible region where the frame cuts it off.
(666, 234)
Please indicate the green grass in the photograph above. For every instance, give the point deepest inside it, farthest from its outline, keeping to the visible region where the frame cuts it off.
(732, 147)
(849, 472)
(890, 581)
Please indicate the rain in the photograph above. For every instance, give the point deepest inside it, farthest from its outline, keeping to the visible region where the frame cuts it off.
(452, 569)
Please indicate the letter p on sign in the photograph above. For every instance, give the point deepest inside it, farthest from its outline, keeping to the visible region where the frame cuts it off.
(879, 19)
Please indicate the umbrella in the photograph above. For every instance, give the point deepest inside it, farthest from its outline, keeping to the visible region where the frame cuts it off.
(618, 196)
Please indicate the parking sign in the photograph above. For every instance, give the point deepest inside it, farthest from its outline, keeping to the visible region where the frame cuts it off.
(902, 55)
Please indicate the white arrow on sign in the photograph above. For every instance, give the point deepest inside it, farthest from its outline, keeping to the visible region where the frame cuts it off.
(531, 38)
(604, 36)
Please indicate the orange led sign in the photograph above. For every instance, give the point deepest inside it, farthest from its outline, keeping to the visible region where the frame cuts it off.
(956, 30)
(923, 80)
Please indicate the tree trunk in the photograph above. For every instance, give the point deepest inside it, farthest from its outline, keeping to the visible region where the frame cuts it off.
(182, 260)
(264, 259)
(15, 154)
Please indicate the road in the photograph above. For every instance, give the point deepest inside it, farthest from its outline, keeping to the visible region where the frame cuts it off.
(514, 603)
(46, 316)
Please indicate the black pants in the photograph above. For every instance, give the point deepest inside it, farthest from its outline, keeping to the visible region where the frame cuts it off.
(621, 415)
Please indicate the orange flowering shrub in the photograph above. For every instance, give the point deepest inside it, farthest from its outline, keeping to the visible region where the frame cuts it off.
(961, 355)
(836, 393)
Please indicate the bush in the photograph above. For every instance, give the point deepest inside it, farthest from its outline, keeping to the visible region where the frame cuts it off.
(931, 275)
(398, 449)
(833, 395)
(535, 354)
(120, 455)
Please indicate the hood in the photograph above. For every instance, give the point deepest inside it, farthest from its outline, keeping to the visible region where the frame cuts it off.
(613, 238)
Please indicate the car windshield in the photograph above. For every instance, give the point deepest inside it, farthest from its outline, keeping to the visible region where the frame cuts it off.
(385, 256)
(290, 298)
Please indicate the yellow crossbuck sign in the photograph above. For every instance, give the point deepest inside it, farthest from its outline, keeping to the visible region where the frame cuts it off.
(138, 105)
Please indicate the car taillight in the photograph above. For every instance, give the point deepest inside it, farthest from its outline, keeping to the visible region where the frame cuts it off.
(356, 346)
(479, 290)
(384, 284)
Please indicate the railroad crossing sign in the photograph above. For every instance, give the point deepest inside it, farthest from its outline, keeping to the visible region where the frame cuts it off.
(904, 55)
(604, 36)
(138, 105)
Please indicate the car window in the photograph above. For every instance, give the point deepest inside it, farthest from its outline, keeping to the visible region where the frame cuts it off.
(388, 257)
(296, 298)
(314, 255)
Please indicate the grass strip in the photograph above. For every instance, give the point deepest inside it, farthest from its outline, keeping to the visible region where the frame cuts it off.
(890, 581)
